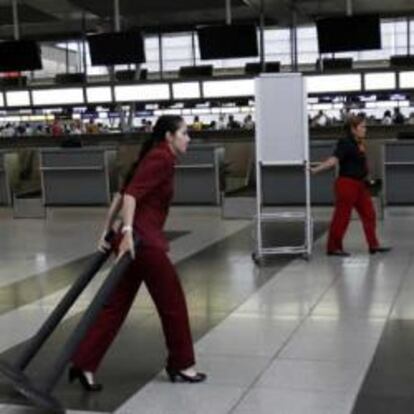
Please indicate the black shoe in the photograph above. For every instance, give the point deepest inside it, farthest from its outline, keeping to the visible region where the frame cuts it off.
(175, 375)
(339, 253)
(380, 249)
(76, 373)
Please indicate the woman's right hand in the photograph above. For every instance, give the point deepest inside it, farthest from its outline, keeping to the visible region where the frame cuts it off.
(103, 245)
(313, 170)
(126, 245)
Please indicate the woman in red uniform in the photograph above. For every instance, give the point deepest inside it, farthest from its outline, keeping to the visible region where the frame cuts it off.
(350, 189)
(144, 203)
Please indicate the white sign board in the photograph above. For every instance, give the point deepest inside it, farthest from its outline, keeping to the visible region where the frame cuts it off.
(282, 135)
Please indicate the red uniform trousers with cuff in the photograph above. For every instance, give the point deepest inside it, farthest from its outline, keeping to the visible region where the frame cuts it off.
(351, 193)
(153, 267)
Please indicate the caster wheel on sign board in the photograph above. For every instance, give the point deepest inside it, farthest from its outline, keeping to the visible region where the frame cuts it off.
(306, 256)
(258, 260)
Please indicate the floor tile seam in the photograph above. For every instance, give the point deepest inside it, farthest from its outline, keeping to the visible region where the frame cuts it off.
(323, 361)
(403, 279)
(300, 324)
(74, 312)
(399, 290)
(106, 267)
(280, 349)
(241, 356)
(59, 293)
(342, 360)
(78, 308)
(133, 401)
(320, 390)
(277, 275)
(404, 274)
(67, 261)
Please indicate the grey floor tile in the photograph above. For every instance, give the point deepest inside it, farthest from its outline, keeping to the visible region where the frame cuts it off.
(164, 398)
(329, 348)
(248, 335)
(346, 308)
(14, 409)
(265, 401)
(337, 376)
(344, 327)
(325, 355)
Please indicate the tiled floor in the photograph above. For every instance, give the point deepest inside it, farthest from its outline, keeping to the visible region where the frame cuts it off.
(292, 337)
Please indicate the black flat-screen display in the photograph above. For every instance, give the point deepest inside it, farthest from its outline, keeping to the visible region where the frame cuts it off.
(20, 55)
(351, 33)
(228, 41)
(120, 48)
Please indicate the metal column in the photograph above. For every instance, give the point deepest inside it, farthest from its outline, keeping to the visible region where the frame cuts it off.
(261, 34)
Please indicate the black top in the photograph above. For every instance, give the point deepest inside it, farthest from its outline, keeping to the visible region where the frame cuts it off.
(352, 161)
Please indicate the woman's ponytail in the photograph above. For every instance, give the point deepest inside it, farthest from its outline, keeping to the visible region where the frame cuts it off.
(164, 124)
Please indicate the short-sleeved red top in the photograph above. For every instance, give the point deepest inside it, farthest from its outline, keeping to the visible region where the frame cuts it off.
(153, 188)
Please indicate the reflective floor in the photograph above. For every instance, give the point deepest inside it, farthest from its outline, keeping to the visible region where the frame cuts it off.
(327, 336)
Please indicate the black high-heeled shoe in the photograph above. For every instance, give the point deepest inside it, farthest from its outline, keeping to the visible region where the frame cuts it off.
(380, 249)
(339, 253)
(175, 375)
(76, 373)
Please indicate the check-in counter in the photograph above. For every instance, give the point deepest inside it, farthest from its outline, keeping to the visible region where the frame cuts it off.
(5, 197)
(76, 176)
(399, 172)
(198, 175)
(285, 185)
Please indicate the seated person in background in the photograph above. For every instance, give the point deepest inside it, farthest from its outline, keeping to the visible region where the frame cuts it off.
(197, 124)
(398, 117)
(39, 130)
(8, 131)
(143, 126)
(28, 130)
(232, 124)
(248, 122)
(372, 120)
(100, 127)
(221, 122)
(92, 128)
(345, 115)
(320, 120)
(77, 128)
(387, 118)
(213, 125)
(56, 129)
(67, 128)
(148, 126)
(21, 130)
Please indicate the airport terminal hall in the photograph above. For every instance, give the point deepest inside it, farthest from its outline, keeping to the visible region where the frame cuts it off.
(207, 206)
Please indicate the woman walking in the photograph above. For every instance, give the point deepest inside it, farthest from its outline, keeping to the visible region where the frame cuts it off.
(351, 189)
(144, 203)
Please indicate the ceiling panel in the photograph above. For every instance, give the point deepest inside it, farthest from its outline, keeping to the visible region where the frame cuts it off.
(131, 8)
(27, 14)
(65, 16)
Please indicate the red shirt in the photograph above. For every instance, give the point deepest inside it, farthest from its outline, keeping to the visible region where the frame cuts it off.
(57, 130)
(153, 188)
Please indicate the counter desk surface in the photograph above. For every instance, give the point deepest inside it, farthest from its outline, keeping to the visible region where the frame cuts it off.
(375, 132)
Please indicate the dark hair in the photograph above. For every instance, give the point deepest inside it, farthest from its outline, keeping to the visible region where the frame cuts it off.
(164, 124)
(352, 123)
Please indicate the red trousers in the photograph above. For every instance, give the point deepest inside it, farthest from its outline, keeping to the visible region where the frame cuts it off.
(349, 194)
(152, 266)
